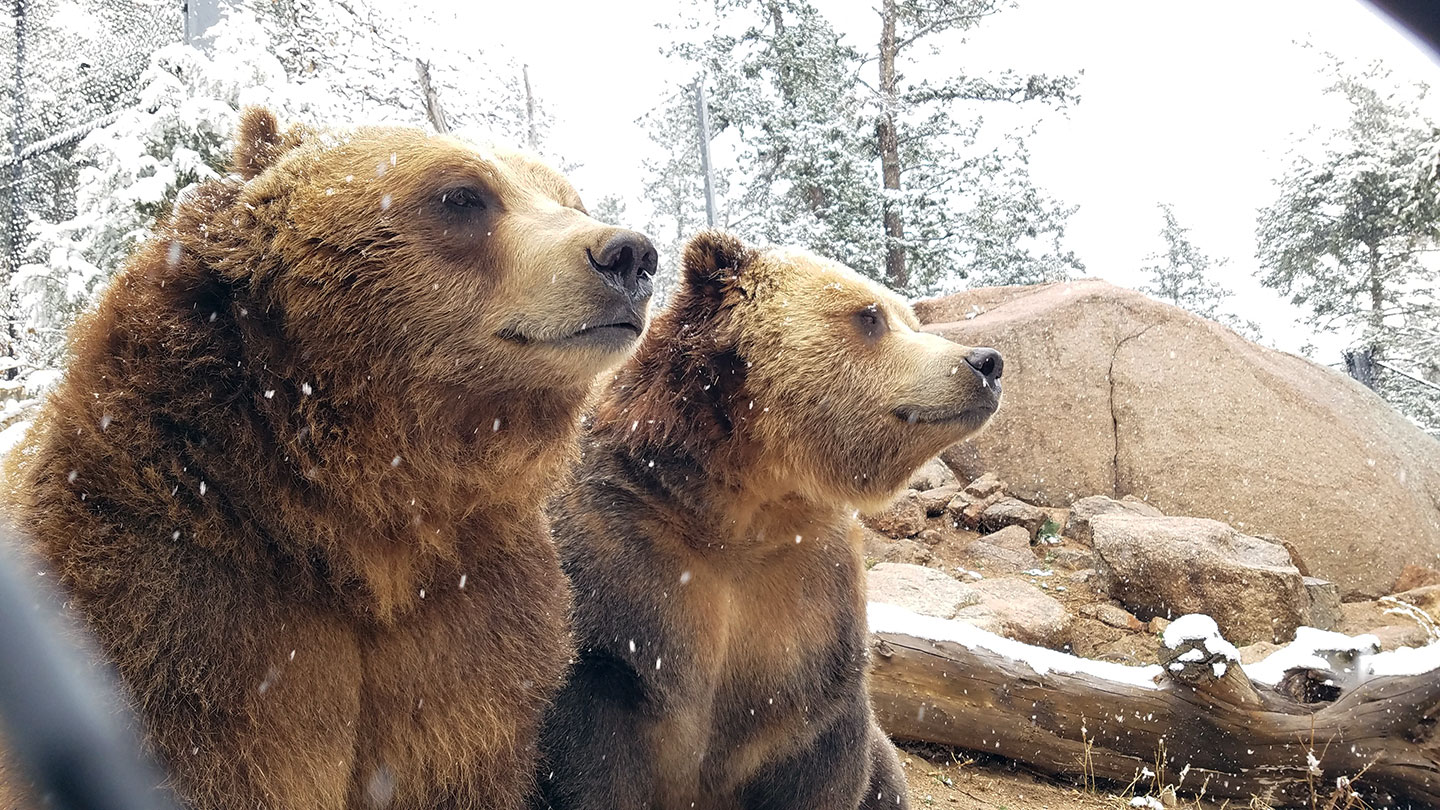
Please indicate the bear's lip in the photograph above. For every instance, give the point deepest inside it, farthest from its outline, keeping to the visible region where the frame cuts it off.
(948, 414)
(624, 332)
(618, 333)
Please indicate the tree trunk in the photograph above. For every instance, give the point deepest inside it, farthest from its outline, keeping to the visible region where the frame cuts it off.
(431, 98)
(531, 141)
(1194, 731)
(897, 275)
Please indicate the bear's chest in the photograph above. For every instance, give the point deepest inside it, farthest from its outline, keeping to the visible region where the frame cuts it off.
(782, 650)
(451, 694)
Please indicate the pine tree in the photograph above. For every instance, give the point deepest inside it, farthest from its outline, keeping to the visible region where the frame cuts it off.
(321, 62)
(1181, 275)
(948, 207)
(1352, 233)
(864, 175)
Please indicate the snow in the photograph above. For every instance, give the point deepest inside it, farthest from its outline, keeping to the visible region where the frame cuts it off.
(1199, 627)
(886, 618)
(13, 435)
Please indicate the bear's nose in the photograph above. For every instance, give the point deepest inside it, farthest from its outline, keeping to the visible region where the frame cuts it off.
(988, 363)
(627, 260)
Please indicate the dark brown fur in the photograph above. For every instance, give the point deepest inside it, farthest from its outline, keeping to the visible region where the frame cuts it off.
(720, 614)
(292, 480)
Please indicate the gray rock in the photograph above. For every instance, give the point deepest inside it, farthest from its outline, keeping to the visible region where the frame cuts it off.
(1016, 609)
(996, 560)
(904, 517)
(985, 486)
(1013, 512)
(1011, 537)
(1170, 566)
(922, 590)
(933, 474)
(1070, 557)
(1077, 525)
(1324, 603)
(907, 551)
(934, 501)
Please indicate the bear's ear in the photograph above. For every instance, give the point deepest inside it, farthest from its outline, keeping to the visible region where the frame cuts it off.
(259, 142)
(715, 259)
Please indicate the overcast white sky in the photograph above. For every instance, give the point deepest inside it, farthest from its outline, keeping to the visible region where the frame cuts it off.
(1190, 103)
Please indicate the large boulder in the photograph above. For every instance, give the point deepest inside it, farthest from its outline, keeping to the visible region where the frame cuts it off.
(1172, 566)
(1109, 392)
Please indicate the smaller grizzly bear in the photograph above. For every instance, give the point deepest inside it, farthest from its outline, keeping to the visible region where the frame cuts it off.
(711, 542)
(293, 480)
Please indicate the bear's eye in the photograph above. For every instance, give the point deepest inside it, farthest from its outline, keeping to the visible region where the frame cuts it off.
(463, 198)
(870, 322)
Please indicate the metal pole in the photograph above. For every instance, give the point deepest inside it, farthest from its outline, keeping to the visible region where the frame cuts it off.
(17, 190)
(702, 116)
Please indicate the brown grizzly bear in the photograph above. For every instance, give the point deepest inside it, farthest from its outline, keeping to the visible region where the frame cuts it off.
(711, 542)
(293, 480)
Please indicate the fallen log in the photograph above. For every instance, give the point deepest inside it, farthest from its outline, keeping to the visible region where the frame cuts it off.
(1338, 717)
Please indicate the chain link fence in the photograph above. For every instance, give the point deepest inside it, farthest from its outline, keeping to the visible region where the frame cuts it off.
(72, 66)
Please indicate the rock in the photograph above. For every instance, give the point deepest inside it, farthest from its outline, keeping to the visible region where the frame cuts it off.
(934, 501)
(1395, 636)
(1393, 630)
(904, 517)
(969, 511)
(1012, 512)
(1324, 596)
(1071, 558)
(1108, 391)
(1295, 557)
(1014, 538)
(930, 537)
(985, 486)
(874, 545)
(1415, 576)
(933, 475)
(1083, 575)
(908, 552)
(1158, 624)
(1426, 598)
(1113, 615)
(923, 590)
(1018, 610)
(1257, 652)
(1170, 566)
(1077, 525)
(996, 560)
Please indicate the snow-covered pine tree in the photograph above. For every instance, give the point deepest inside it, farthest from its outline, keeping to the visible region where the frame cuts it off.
(333, 63)
(1181, 275)
(956, 204)
(1353, 232)
(896, 181)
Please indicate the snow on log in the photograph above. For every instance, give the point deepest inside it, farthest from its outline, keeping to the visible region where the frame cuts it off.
(1323, 711)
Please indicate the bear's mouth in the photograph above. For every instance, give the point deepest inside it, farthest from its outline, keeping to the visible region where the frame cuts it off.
(967, 415)
(618, 332)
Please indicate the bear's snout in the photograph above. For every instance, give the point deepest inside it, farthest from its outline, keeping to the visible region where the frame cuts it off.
(626, 261)
(988, 364)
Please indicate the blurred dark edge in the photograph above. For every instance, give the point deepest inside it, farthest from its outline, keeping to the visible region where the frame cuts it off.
(1421, 17)
(61, 718)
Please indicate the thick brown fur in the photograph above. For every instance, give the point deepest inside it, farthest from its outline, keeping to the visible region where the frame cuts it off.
(293, 478)
(710, 538)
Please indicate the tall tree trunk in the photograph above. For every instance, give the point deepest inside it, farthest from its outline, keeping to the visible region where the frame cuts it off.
(531, 141)
(1377, 303)
(897, 275)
